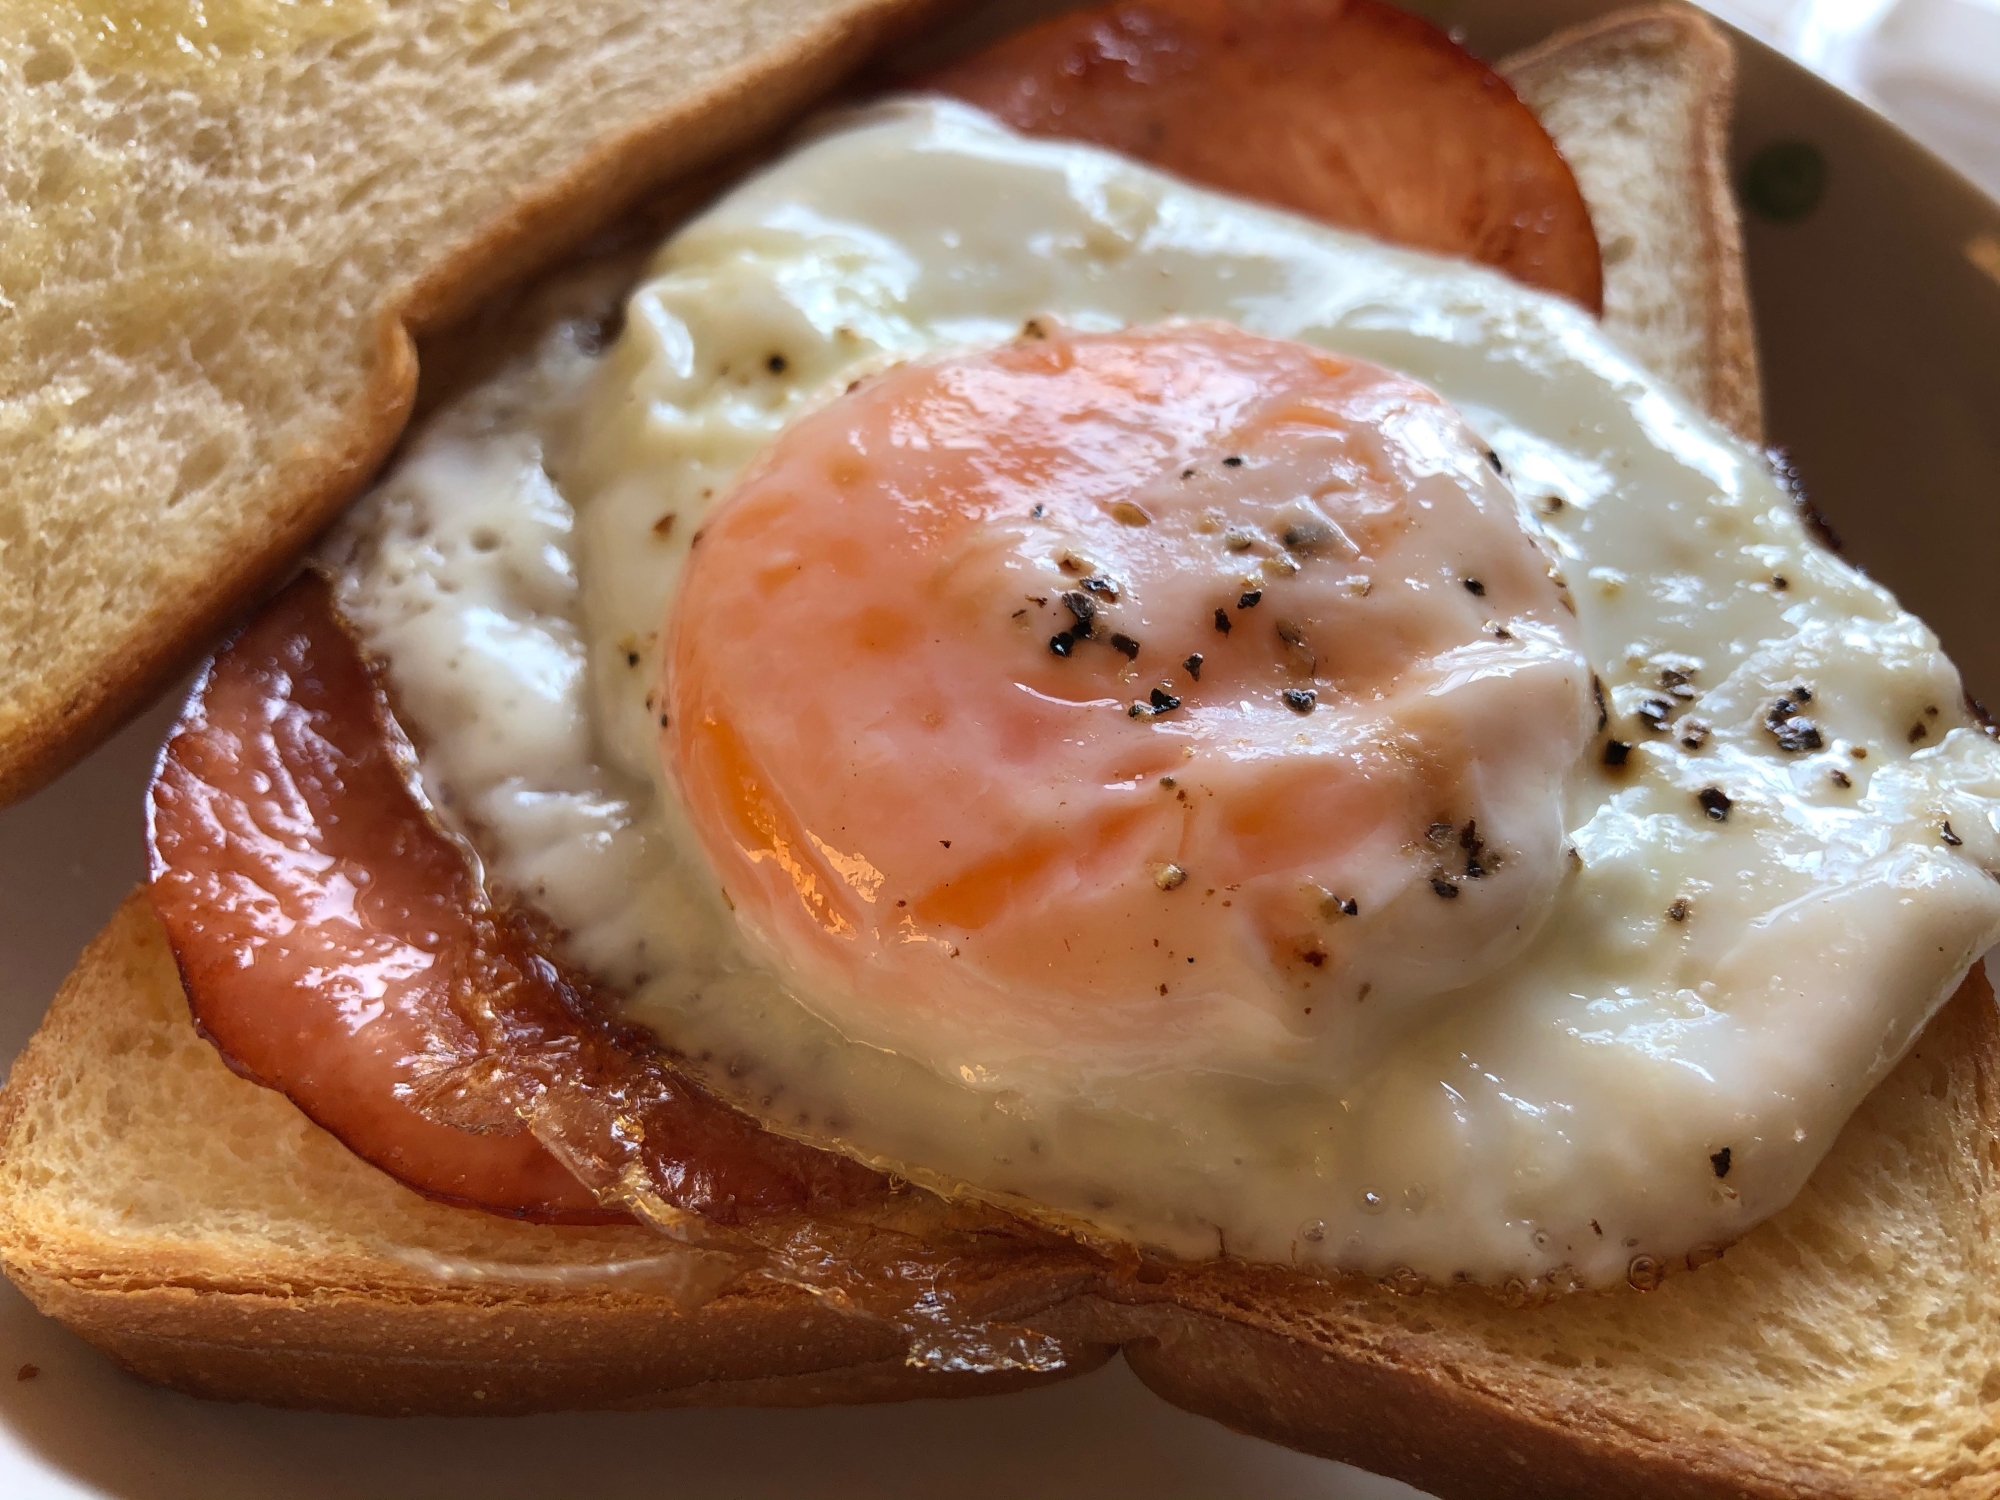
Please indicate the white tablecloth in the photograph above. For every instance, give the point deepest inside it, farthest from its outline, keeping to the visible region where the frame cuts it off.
(1933, 66)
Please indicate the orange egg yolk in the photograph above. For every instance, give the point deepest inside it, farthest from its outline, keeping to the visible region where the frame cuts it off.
(1109, 702)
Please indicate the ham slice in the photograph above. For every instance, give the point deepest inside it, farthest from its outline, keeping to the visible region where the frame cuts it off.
(337, 945)
(1347, 111)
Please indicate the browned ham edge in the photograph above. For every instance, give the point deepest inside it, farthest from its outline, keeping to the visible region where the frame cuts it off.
(336, 945)
(1347, 111)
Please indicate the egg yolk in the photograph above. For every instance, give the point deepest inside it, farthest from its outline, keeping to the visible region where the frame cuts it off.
(1107, 702)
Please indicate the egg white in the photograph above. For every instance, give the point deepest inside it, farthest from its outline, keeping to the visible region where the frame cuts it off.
(1699, 984)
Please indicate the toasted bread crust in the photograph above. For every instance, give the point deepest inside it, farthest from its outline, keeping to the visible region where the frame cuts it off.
(1731, 393)
(326, 1350)
(50, 716)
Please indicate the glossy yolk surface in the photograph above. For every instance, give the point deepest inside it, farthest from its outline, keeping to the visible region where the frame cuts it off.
(1176, 697)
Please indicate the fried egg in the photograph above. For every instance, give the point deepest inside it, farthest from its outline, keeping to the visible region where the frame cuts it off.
(1210, 730)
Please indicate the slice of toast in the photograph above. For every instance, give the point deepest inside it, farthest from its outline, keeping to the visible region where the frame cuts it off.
(212, 260)
(204, 1234)
(1659, 192)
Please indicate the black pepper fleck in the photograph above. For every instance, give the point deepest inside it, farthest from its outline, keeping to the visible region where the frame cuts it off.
(1300, 700)
(1125, 646)
(1494, 459)
(1222, 619)
(1694, 734)
(1163, 701)
(1475, 588)
(1084, 608)
(1062, 644)
(1720, 1161)
(1474, 846)
(1678, 912)
(1653, 713)
(1098, 584)
(776, 364)
(1678, 682)
(1193, 666)
(1248, 599)
(1918, 732)
(1444, 887)
(1780, 582)
(1714, 803)
(1840, 778)
(1038, 512)
(1597, 693)
(1949, 837)
(1234, 461)
(1787, 726)
(631, 658)
(1616, 752)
